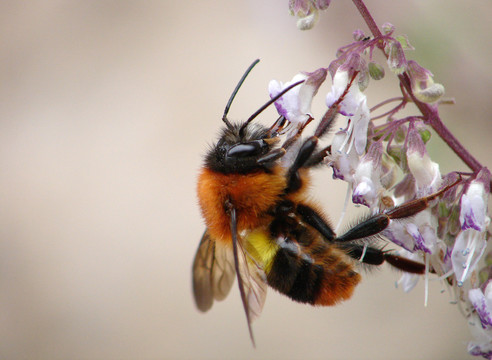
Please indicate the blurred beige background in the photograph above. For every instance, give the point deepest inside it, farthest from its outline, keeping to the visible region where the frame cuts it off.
(106, 110)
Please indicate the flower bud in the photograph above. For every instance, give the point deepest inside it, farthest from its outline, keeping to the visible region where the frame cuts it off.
(396, 57)
(376, 71)
(425, 135)
(358, 35)
(322, 4)
(388, 28)
(423, 85)
(307, 11)
(307, 22)
(405, 43)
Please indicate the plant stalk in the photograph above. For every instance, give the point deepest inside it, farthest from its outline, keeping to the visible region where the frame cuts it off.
(430, 112)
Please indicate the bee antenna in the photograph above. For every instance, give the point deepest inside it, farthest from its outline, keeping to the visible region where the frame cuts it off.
(267, 104)
(234, 93)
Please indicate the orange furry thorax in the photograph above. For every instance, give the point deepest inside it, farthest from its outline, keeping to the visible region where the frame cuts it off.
(252, 195)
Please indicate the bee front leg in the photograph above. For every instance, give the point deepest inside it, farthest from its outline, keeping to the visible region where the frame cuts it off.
(294, 181)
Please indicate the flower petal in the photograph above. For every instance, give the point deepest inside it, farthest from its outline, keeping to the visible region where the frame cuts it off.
(482, 306)
(467, 251)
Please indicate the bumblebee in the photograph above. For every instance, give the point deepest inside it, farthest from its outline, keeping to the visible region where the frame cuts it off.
(263, 230)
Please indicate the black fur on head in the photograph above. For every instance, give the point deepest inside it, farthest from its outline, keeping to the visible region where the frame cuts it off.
(238, 151)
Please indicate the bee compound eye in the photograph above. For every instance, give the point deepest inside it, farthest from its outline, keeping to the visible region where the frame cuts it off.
(246, 149)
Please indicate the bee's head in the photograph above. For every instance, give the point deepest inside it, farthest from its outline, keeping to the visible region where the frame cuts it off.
(239, 151)
(242, 146)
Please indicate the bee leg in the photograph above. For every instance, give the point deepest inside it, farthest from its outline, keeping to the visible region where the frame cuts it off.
(271, 156)
(415, 206)
(405, 264)
(312, 218)
(374, 256)
(279, 152)
(306, 157)
(318, 157)
(363, 253)
(369, 227)
(294, 181)
(377, 223)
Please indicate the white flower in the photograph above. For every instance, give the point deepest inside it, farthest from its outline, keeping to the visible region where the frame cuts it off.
(419, 234)
(343, 163)
(354, 106)
(295, 105)
(467, 251)
(423, 234)
(471, 241)
(367, 184)
(424, 170)
(307, 11)
(473, 213)
(482, 342)
(398, 234)
(482, 302)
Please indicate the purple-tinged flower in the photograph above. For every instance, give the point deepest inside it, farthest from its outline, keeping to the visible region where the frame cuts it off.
(397, 61)
(406, 188)
(419, 234)
(352, 100)
(353, 63)
(358, 35)
(424, 170)
(388, 28)
(423, 85)
(295, 105)
(367, 185)
(471, 242)
(354, 105)
(424, 237)
(307, 11)
(482, 302)
(342, 161)
(302, 7)
(482, 342)
(389, 172)
(398, 234)
(473, 213)
(299, 7)
(365, 193)
(468, 249)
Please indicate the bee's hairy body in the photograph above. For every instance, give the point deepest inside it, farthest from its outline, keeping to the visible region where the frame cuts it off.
(297, 261)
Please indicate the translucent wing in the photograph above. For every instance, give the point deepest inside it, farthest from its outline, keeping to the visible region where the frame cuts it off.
(213, 272)
(254, 283)
(251, 277)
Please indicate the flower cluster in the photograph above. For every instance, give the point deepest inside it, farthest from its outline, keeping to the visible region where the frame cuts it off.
(307, 11)
(385, 162)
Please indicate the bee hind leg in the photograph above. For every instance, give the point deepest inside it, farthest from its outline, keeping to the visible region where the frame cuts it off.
(374, 256)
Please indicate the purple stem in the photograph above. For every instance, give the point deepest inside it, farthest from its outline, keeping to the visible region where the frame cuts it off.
(431, 114)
